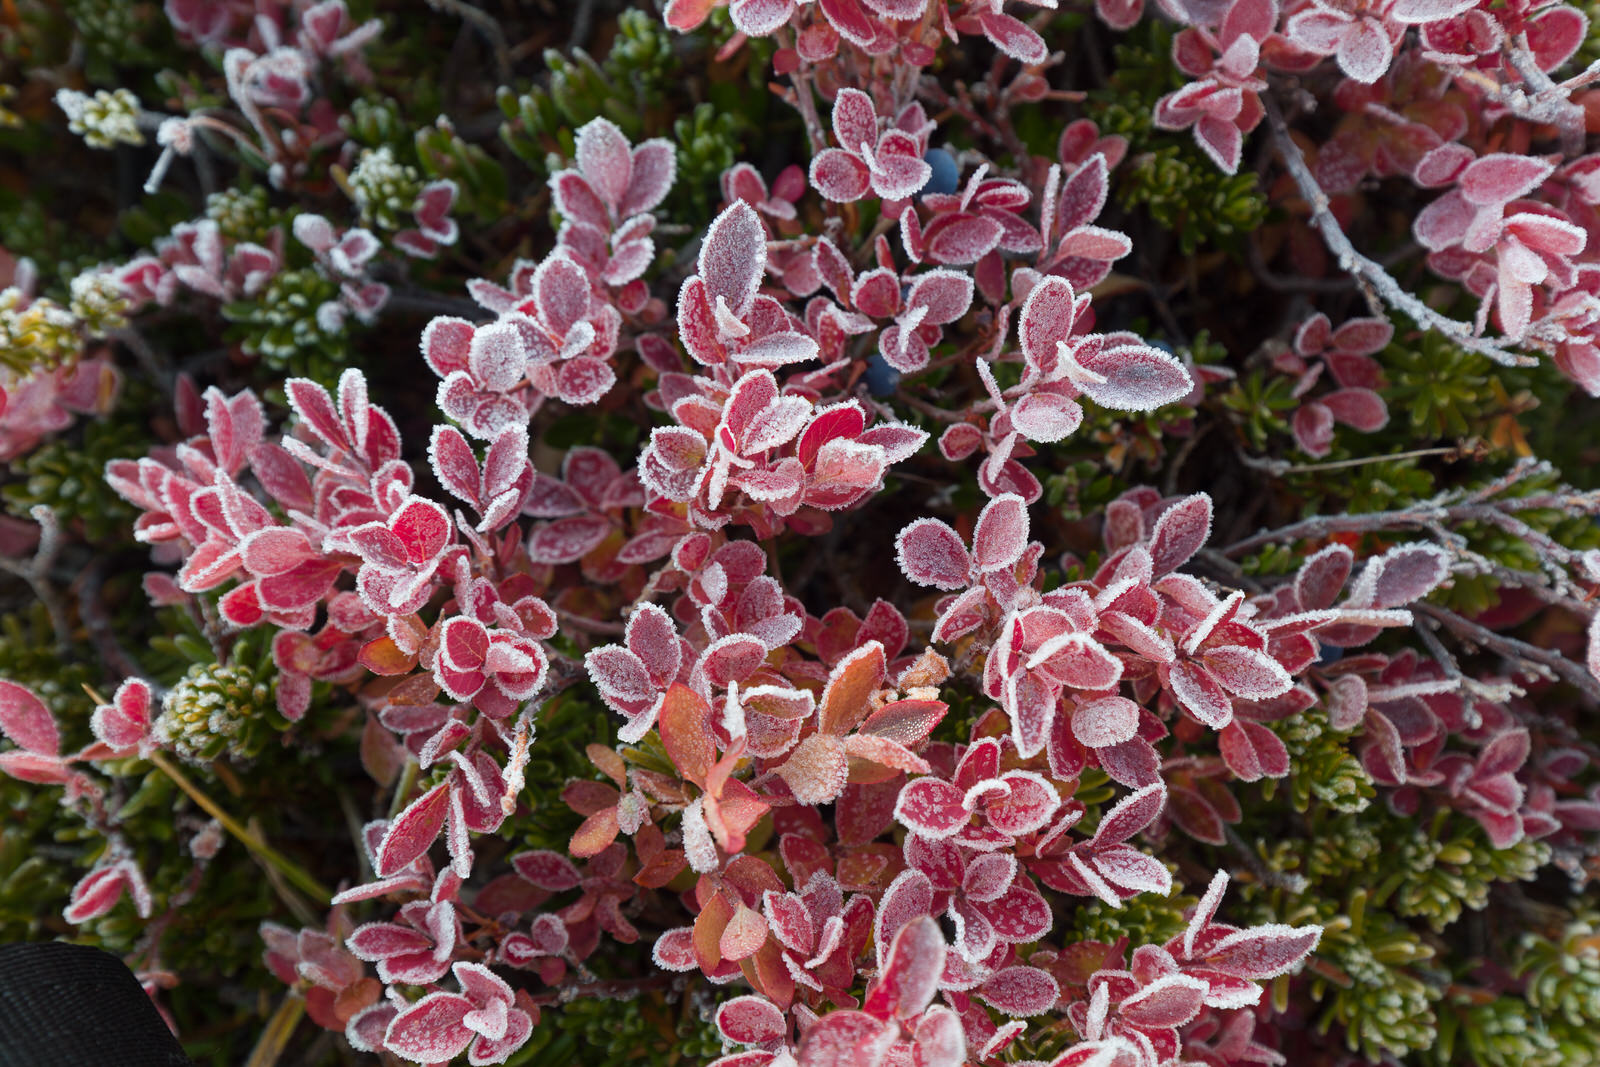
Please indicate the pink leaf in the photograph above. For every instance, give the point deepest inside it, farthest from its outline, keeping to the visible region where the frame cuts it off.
(1321, 577)
(844, 1039)
(960, 239)
(733, 257)
(1137, 377)
(1181, 531)
(940, 1041)
(1001, 535)
(909, 896)
(568, 540)
(655, 166)
(1045, 417)
(1048, 316)
(1248, 673)
(1502, 176)
(431, 1030)
(1013, 37)
(604, 158)
(1365, 50)
(25, 719)
(95, 894)
(947, 294)
(1020, 991)
(1409, 573)
(1418, 12)
(839, 175)
(931, 553)
(548, 870)
(855, 120)
(1132, 870)
(1263, 951)
(1362, 409)
(1200, 695)
(1105, 722)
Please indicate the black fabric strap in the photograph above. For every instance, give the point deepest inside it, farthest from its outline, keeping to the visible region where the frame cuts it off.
(67, 1005)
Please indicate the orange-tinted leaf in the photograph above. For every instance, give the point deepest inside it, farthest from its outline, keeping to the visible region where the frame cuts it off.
(685, 724)
(847, 699)
(382, 656)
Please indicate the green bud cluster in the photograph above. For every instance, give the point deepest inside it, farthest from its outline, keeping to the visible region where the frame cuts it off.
(212, 710)
(384, 189)
(68, 476)
(282, 326)
(243, 214)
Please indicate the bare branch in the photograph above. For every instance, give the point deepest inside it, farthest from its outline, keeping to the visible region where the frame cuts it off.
(1369, 274)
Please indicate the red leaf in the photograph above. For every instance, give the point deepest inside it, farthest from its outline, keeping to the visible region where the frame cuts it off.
(674, 950)
(1171, 1000)
(596, 834)
(910, 973)
(1132, 814)
(847, 698)
(751, 1020)
(1252, 751)
(1247, 673)
(413, 831)
(931, 807)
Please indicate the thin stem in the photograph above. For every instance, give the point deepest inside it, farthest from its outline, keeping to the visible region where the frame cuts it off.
(408, 778)
(258, 848)
(487, 27)
(36, 572)
(804, 101)
(279, 1029)
(1553, 663)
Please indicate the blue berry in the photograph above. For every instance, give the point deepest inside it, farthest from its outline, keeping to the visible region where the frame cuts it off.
(882, 379)
(946, 175)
